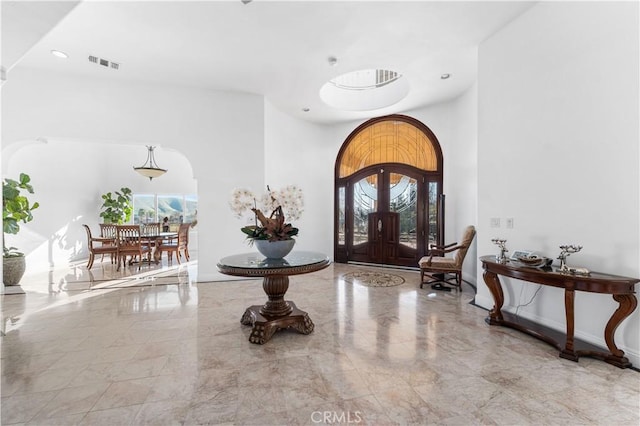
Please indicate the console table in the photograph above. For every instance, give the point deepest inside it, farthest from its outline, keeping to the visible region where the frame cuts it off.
(277, 313)
(622, 289)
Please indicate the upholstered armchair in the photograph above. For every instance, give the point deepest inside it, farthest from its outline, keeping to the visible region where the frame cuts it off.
(437, 265)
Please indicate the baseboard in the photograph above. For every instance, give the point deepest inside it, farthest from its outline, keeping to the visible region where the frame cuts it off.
(382, 265)
(633, 355)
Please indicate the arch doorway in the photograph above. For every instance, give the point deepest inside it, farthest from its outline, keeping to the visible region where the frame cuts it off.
(388, 193)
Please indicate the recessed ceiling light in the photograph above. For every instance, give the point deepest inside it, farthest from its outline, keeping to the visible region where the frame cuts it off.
(445, 76)
(306, 109)
(59, 54)
(333, 61)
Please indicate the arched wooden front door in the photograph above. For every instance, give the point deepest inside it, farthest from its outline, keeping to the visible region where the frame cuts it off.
(388, 194)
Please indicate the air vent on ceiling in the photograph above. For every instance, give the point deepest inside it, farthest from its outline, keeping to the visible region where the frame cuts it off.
(104, 62)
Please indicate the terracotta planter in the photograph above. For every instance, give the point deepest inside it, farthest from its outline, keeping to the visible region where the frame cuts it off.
(13, 269)
(274, 249)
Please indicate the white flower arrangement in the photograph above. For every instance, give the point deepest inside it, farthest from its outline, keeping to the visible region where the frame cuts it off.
(287, 202)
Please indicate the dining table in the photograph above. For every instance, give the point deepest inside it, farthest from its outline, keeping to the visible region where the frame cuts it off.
(155, 240)
(152, 239)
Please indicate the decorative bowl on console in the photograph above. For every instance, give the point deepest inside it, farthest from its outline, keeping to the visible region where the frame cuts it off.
(532, 260)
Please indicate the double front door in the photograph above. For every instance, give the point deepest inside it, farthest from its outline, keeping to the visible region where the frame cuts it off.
(387, 215)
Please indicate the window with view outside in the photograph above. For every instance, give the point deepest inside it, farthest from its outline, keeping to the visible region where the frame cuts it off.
(171, 206)
(190, 208)
(144, 209)
(153, 208)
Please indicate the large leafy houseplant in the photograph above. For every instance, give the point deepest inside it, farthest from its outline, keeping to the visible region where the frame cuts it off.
(16, 208)
(116, 206)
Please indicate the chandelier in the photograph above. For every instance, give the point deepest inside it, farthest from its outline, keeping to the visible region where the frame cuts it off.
(150, 168)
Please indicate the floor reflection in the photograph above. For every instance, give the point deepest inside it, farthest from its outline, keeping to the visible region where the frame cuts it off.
(108, 347)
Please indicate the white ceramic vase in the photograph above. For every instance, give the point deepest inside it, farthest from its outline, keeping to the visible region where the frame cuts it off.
(274, 249)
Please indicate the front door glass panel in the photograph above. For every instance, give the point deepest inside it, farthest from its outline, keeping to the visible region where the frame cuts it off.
(403, 199)
(341, 215)
(432, 212)
(365, 202)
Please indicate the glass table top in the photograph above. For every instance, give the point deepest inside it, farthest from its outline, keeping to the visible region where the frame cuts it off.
(258, 262)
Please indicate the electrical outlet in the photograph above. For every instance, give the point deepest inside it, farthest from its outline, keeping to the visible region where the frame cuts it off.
(509, 223)
(495, 222)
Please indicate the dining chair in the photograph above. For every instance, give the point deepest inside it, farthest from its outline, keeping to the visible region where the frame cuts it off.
(177, 245)
(150, 230)
(131, 242)
(108, 231)
(94, 249)
(437, 265)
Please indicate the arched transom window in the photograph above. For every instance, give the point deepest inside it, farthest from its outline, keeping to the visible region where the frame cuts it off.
(390, 141)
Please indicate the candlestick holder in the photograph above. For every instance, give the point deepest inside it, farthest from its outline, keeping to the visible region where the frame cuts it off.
(501, 243)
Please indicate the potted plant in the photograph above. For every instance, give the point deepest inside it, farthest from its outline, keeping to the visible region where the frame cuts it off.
(116, 207)
(15, 209)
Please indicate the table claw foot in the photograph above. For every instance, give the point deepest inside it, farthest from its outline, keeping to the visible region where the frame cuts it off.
(247, 318)
(261, 334)
(305, 326)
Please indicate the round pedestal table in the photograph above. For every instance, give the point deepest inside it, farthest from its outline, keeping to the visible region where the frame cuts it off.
(276, 313)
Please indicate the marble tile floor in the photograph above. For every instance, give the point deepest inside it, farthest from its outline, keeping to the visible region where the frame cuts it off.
(157, 348)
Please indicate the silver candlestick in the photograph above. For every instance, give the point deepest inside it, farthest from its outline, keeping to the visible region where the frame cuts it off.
(567, 250)
(501, 243)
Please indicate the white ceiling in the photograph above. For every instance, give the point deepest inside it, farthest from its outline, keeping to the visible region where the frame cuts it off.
(277, 49)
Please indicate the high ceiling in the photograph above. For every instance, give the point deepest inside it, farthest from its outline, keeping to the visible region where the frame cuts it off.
(277, 49)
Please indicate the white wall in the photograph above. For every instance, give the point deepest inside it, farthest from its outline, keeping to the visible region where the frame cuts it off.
(462, 179)
(558, 152)
(220, 133)
(303, 154)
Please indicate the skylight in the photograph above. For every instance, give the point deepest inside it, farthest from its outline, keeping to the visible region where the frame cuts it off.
(365, 90)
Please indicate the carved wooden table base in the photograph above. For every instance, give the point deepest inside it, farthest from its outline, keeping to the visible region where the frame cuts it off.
(264, 326)
(277, 313)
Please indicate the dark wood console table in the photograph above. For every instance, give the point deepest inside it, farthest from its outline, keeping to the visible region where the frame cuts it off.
(277, 313)
(622, 289)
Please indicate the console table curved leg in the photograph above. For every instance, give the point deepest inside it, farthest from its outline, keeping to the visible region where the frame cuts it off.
(568, 352)
(626, 305)
(493, 283)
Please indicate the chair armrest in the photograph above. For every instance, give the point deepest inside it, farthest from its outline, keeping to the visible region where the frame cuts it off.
(436, 246)
(445, 249)
(102, 240)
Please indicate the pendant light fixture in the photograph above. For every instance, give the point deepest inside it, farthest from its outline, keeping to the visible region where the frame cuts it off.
(150, 168)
